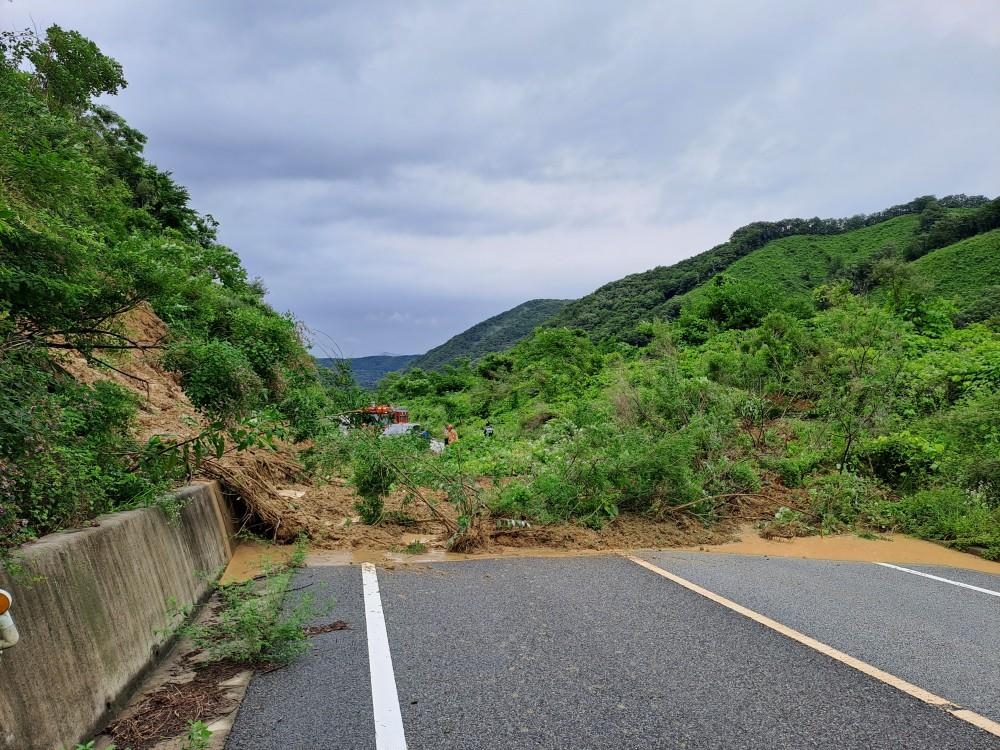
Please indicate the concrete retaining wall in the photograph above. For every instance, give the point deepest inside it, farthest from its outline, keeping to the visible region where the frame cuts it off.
(96, 618)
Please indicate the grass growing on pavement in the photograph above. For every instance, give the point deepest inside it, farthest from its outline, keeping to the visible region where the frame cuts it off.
(250, 626)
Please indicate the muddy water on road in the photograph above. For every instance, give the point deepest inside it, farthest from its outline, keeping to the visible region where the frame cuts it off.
(894, 548)
(383, 557)
(251, 559)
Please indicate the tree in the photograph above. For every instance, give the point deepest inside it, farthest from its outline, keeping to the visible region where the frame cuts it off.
(857, 370)
(70, 69)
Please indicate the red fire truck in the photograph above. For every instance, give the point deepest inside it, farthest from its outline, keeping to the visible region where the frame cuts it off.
(380, 414)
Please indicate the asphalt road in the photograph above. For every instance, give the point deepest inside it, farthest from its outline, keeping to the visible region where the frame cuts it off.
(596, 652)
(941, 637)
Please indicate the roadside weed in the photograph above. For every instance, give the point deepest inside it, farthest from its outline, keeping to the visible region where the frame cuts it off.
(198, 736)
(251, 625)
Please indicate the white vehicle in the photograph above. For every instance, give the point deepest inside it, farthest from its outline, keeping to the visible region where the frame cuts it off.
(403, 428)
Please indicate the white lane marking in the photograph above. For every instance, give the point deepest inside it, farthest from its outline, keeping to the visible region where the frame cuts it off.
(909, 688)
(385, 700)
(943, 580)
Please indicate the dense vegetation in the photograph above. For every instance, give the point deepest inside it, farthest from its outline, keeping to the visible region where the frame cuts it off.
(495, 334)
(90, 230)
(616, 309)
(967, 272)
(824, 373)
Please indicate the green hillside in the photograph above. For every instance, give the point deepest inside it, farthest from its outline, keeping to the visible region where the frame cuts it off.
(965, 270)
(794, 266)
(495, 334)
(615, 309)
(367, 371)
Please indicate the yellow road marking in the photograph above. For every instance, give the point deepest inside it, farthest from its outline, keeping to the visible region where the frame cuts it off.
(909, 688)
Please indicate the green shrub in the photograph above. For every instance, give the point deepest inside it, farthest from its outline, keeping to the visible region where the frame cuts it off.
(265, 338)
(847, 499)
(653, 476)
(951, 515)
(372, 478)
(795, 468)
(307, 408)
(902, 460)
(216, 377)
(739, 304)
(516, 500)
(251, 626)
(722, 476)
(198, 736)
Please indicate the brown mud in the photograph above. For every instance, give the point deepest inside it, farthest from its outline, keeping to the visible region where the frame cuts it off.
(250, 559)
(253, 559)
(889, 548)
(327, 515)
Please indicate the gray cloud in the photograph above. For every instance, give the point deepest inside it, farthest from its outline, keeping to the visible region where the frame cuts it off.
(399, 171)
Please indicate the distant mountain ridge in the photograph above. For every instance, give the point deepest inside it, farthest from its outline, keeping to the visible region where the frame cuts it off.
(615, 309)
(495, 334)
(368, 371)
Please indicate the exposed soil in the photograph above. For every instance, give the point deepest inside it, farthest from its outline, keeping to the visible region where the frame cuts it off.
(251, 477)
(164, 408)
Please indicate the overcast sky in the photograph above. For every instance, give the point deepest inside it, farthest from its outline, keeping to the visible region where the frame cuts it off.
(398, 171)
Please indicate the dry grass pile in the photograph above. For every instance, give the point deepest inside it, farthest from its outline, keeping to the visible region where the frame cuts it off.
(255, 478)
(164, 714)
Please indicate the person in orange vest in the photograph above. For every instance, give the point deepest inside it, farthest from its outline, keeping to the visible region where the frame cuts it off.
(450, 436)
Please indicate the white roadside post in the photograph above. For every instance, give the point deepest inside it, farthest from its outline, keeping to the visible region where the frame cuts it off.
(8, 630)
